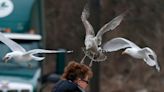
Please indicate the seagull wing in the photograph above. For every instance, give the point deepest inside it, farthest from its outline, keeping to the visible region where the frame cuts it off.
(11, 44)
(109, 26)
(37, 58)
(36, 51)
(151, 58)
(117, 44)
(87, 25)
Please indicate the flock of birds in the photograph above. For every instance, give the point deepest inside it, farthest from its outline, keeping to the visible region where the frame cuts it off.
(93, 48)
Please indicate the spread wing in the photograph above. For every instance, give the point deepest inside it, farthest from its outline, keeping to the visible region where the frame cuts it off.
(11, 44)
(36, 51)
(110, 26)
(87, 25)
(117, 44)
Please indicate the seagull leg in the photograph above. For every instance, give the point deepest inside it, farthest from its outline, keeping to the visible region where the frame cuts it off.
(91, 63)
(82, 61)
(85, 52)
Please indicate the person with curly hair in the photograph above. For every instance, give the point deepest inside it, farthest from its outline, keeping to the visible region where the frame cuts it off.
(75, 78)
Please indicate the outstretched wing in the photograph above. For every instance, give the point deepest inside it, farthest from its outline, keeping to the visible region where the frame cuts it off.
(87, 25)
(36, 51)
(151, 59)
(117, 44)
(11, 44)
(110, 26)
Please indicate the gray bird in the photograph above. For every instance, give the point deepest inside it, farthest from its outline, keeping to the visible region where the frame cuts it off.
(19, 54)
(93, 43)
(147, 54)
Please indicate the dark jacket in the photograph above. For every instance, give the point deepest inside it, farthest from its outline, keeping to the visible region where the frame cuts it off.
(65, 86)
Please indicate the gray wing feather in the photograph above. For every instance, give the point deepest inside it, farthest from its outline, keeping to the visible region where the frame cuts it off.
(36, 51)
(117, 44)
(87, 25)
(110, 25)
(11, 44)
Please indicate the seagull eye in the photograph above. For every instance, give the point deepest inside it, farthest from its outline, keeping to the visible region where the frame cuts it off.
(151, 56)
(7, 57)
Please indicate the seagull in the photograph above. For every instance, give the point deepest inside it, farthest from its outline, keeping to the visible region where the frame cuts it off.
(92, 43)
(19, 54)
(146, 54)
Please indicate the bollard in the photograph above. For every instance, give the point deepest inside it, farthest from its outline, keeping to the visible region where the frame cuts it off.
(60, 62)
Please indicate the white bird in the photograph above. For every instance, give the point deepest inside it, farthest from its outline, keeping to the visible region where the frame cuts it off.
(92, 42)
(147, 54)
(19, 54)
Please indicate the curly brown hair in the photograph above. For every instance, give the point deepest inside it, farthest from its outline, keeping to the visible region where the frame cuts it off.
(76, 70)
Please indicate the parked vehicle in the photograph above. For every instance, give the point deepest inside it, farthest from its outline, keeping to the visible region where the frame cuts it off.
(23, 23)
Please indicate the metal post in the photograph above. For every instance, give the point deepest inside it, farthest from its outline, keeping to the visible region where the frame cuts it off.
(41, 28)
(60, 62)
(95, 21)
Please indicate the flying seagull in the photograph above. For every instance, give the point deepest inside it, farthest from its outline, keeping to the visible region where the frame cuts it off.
(93, 42)
(19, 54)
(147, 54)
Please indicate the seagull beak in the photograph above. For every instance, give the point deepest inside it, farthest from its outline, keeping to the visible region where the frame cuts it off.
(5, 59)
(123, 53)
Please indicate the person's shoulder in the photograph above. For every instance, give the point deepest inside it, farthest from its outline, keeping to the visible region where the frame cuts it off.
(66, 86)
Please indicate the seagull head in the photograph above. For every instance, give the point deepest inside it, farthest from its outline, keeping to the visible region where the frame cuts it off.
(88, 46)
(133, 52)
(126, 51)
(7, 57)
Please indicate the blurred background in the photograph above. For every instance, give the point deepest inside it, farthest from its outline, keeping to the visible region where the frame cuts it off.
(59, 25)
